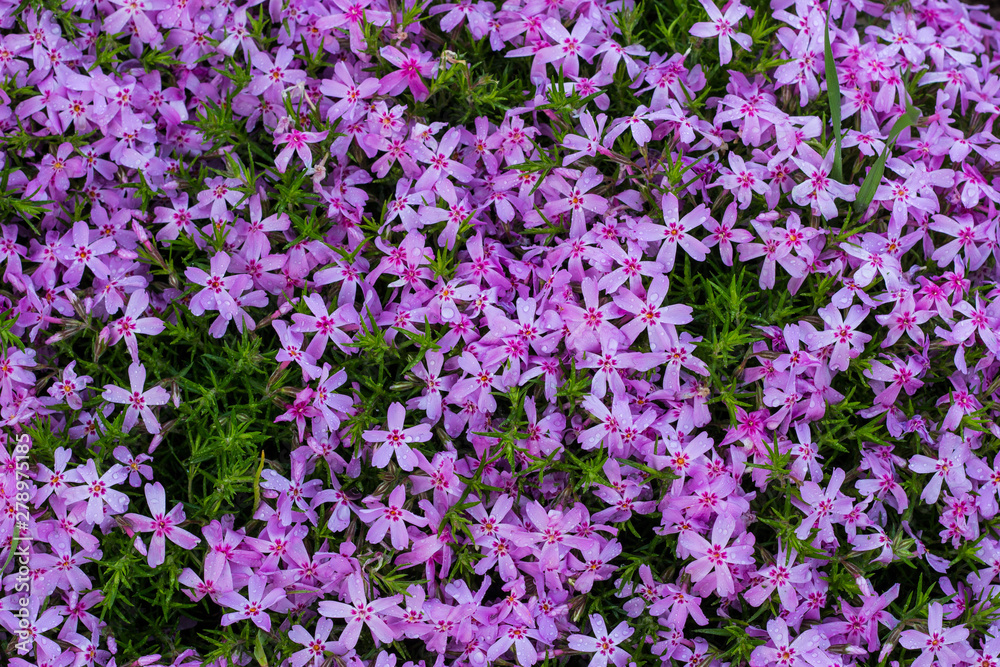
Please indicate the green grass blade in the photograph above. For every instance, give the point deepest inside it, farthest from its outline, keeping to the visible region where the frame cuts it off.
(874, 177)
(833, 93)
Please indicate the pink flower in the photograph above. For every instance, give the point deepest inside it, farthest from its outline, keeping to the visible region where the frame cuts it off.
(744, 179)
(69, 387)
(823, 507)
(97, 491)
(520, 637)
(139, 402)
(84, 253)
(253, 607)
(275, 72)
(819, 190)
(163, 525)
(949, 467)
(132, 323)
(413, 64)
(842, 333)
(677, 232)
(650, 315)
(218, 287)
(567, 48)
(577, 199)
(396, 440)
(723, 26)
(712, 559)
(806, 650)
(724, 234)
(296, 141)
(316, 644)
(349, 94)
(133, 12)
(904, 318)
(903, 375)
(391, 518)
(603, 644)
(362, 613)
(782, 576)
(938, 647)
(134, 465)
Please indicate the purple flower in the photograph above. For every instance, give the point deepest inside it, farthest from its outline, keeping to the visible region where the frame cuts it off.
(676, 232)
(132, 323)
(296, 141)
(823, 507)
(139, 402)
(520, 637)
(603, 644)
(162, 524)
(937, 646)
(219, 288)
(723, 26)
(819, 190)
(316, 644)
(134, 465)
(350, 95)
(650, 315)
(577, 199)
(412, 64)
(98, 491)
(949, 467)
(567, 48)
(84, 253)
(724, 234)
(842, 333)
(744, 179)
(396, 440)
(274, 73)
(710, 569)
(133, 12)
(69, 387)
(362, 613)
(805, 651)
(254, 607)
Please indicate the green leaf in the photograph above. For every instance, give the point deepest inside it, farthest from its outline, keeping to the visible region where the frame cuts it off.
(833, 93)
(874, 177)
(258, 650)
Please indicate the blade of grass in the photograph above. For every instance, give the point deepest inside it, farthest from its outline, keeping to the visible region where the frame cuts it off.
(833, 93)
(874, 177)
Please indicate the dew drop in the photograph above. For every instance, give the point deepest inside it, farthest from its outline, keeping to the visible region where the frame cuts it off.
(447, 313)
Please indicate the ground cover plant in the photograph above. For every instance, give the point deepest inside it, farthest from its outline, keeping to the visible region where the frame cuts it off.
(551, 332)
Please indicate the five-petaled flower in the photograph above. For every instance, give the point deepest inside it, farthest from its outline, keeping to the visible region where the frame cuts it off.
(603, 644)
(396, 440)
(140, 403)
(163, 525)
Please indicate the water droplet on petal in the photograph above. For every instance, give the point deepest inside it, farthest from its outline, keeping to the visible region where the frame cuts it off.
(447, 313)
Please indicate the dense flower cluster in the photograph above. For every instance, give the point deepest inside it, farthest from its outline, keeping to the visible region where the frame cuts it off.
(562, 402)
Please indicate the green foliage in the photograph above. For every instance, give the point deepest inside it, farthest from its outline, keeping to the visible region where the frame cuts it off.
(833, 93)
(874, 177)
